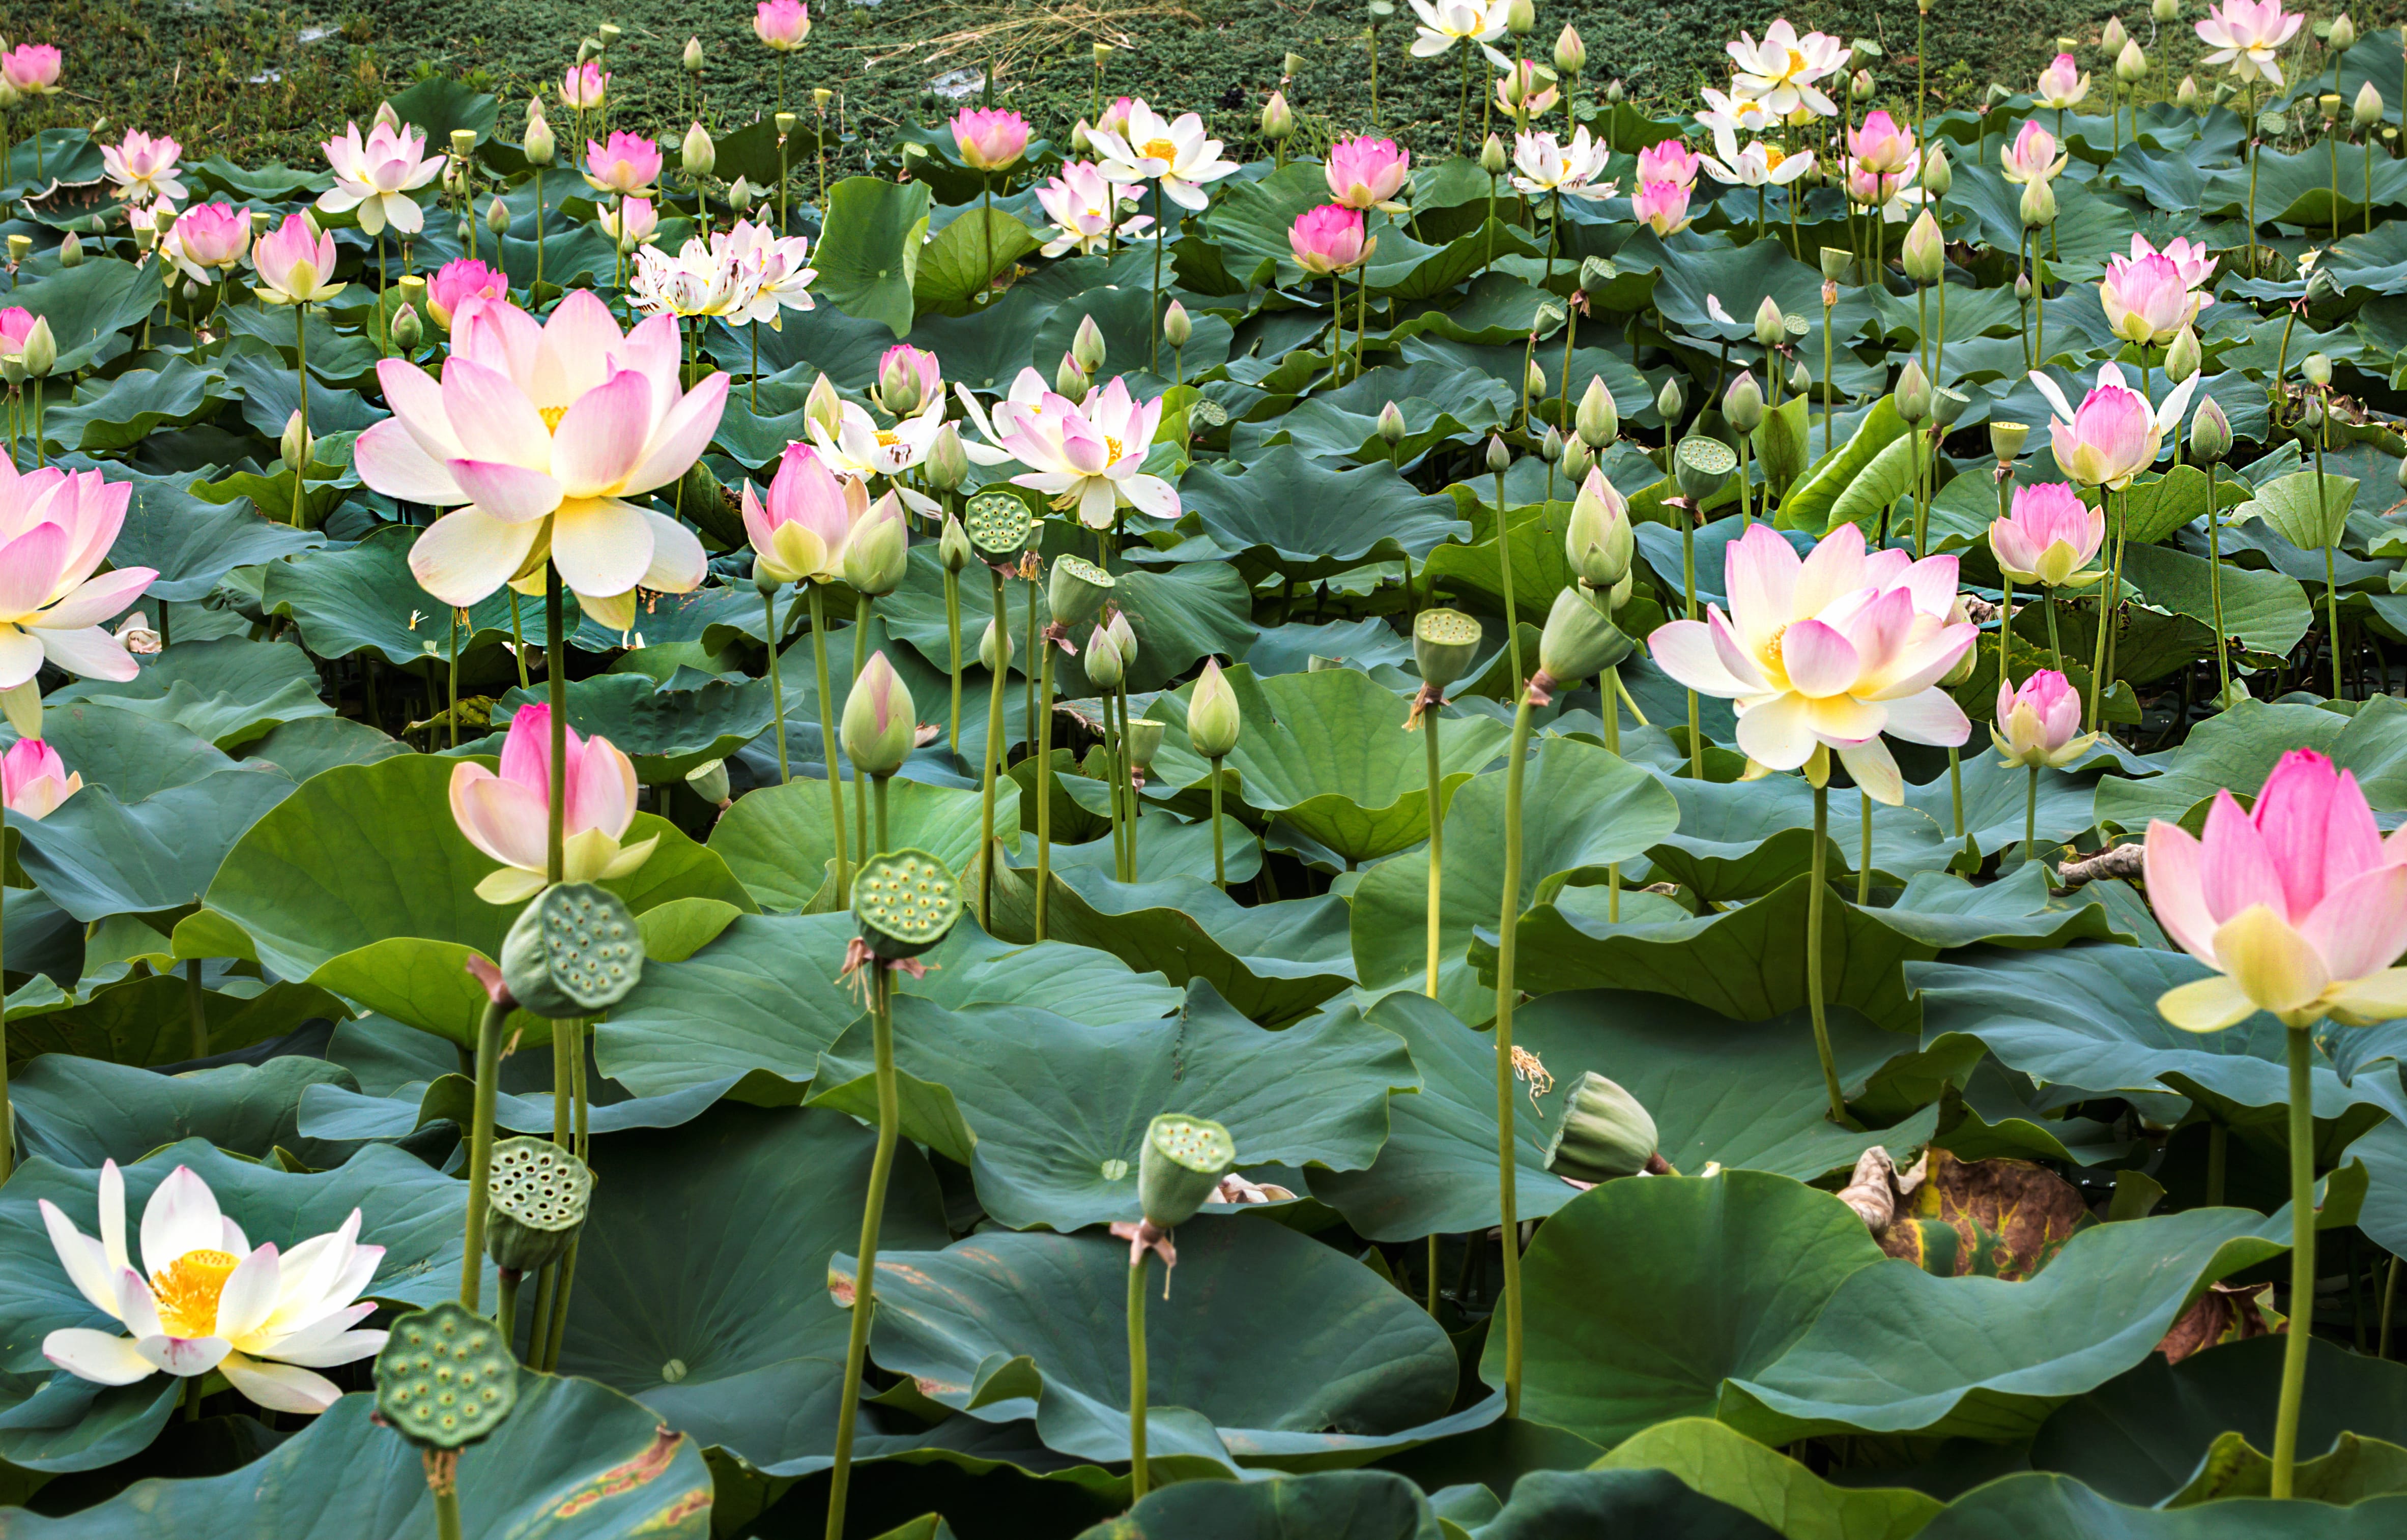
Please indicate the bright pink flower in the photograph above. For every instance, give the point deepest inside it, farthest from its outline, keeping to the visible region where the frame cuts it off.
(990, 138)
(2300, 905)
(2145, 301)
(629, 164)
(586, 86)
(2033, 156)
(208, 240)
(1367, 173)
(56, 527)
(1328, 239)
(2190, 258)
(2248, 35)
(2061, 84)
(34, 779)
(1668, 161)
(459, 280)
(15, 325)
(2112, 436)
(782, 24)
(143, 168)
(2039, 723)
(630, 222)
(508, 816)
(33, 68)
(2048, 537)
(1882, 145)
(1661, 207)
(799, 530)
(294, 260)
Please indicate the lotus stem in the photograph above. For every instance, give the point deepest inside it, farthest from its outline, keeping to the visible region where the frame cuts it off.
(1864, 861)
(777, 686)
(1504, 561)
(1219, 867)
(2031, 816)
(518, 637)
(1137, 1472)
(1045, 784)
(1608, 690)
(7, 1113)
(556, 685)
(991, 760)
(2214, 589)
(1126, 777)
(2107, 593)
(828, 751)
(195, 1004)
(864, 1287)
(506, 1315)
(1111, 770)
(2302, 1261)
(301, 367)
(451, 642)
(2005, 628)
(1153, 317)
(1688, 583)
(447, 1509)
(480, 1150)
(1028, 666)
(1814, 898)
(2251, 143)
(535, 291)
(1436, 841)
(539, 1322)
(1829, 405)
(1431, 1285)
(2390, 1285)
(953, 631)
(1955, 794)
(860, 659)
(565, 1274)
(1516, 766)
(2331, 590)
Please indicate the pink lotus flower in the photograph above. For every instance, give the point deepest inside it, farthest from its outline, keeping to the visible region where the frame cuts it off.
(630, 222)
(1882, 145)
(2248, 35)
(908, 377)
(1329, 239)
(782, 24)
(1115, 119)
(1083, 204)
(990, 138)
(2033, 157)
(15, 325)
(2190, 258)
(376, 176)
(2049, 537)
(2300, 905)
(546, 430)
(143, 168)
(294, 260)
(34, 779)
(2039, 724)
(1668, 161)
(459, 280)
(2061, 84)
(1538, 94)
(1781, 70)
(56, 527)
(586, 86)
(1828, 652)
(31, 68)
(798, 531)
(1367, 173)
(2145, 301)
(508, 816)
(1661, 207)
(208, 240)
(2113, 436)
(1090, 456)
(628, 165)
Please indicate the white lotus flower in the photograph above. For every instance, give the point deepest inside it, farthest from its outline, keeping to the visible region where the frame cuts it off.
(1541, 164)
(1759, 164)
(1447, 22)
(858, 448)
(1177, 152)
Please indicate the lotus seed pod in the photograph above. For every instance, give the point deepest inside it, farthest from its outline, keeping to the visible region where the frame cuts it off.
(1103, 662)
(1391, 425)
(20, 246)
(1279, 120)
(463, 142)
(1075, 591)
(1596, 272)
(1086, 345)
(2317, 368)
(1498, 457)
(1143, 741)
(1580, 637)
(989, 657)
(299, 447)
(1912, 391)
(1550, 448)
(998, 524)
(2210, 432)
(1801, 379)
(1937, 174)
(1671, 400)
(539, 1193)
(607, 34)
(1214, 719)
(1599, 540)
(2184, 358)
(407, 329)
(41, 350)
(446, 1377)
(71, 250)
(1069, 379)
(1520, 17)
(1124, 638)
(1598, 423)
(2006, 440)
(709, 782)
(587, 47)
(2131, 63)
(2185, 94)
(691, 58)
(1743, 403)
(1182, 1163)
(698, 154)
(953, 547)
(2342, 37)
(1104, 51)
(1702, 465)
(820, 97)
(2165, 10)
(1835, 264)
(541, 148)
(904, 901)
(880, 720)
(1771, 325)
(823, 408)
(1579, 459)
(2367, 109)
(1445, 642)
(1291, 65)
(1603, 1133)
(1947, 405)
(1176, 327)
(947, 464)
(1924, 254)
(1491, 156)
(574, 951)
(878, 551)
(2039, 204)
(789, 123)
(1570, 55)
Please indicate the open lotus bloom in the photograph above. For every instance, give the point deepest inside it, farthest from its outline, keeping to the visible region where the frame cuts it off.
(2190, 258)
(1367, 173)
(990, 138)
(782, 24)
(33, 68)
(2038, 722)
(1542, 164)
(2299, 905)
(1085, 205)
(585, 86)
(208, 241)
(535, 438)
(1175, 152)
(1781, 70)
(2061, 84)
(628, 165)
(33, 780)
(1090, 456)
(2034, 157)
(1668, 161)
(295, 263)
(377, 175)
(1447, 22)
(2248, 35)
(1762, 163)
(1329, 239)
(508, 816)
(2145, 300)
(1828, 652)
(779, 271)
(2049, 537)
(205, 1299)
(143, 168)
(2114, 435)
(56, 527)
(799, 530)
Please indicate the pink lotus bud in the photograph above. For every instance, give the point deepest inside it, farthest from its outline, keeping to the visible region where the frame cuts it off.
(2049, 537)
(629, 164)
(799, 531)
(31, 68)
(509, 815)
(2033, 156)
(459, 280)
(1882, 145)
(1668, 161)
(989, 139)
(908, 377)
(2061, 84)
(1661, 207)
(781, 24)
(34, 779)
(2039, 723)
(586, 86)
(294, 260)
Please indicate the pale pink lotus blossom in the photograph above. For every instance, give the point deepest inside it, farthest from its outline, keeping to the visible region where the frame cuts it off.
(2248, 35)
(204, 1300)
(1329, 239)
(295, 261)
(1661, 207)
(858, 448)
(2190, 258)
(586, 86)
(208, 241)
(2038, 722)
(2145, 300)
(698, 281)
(33, 780)
(1882, 145)
(1891, 192)
(1762, 163)
(2113, 436)
(143, 168)
(56, 527)
(778, 268)
(1025, 398)
(377, 174)
(1083, 204)
(1781, 71)
(1668, 161)
(2061, 83)
(1115, 118)
(908, 378)
(536, 438)
(1367, 173)
(2033, 157)
(628, 165)
(459, 280)
(798, 530)
(1828, 652)
(15, 325)
(1176, 153)
(31, 68)
(2299, 905)
(509, 815)
(1091, 458)
(2049, 537)
(1538, 94)
(990, 138)
(781, 24)
(630, 222)
(1542, 164)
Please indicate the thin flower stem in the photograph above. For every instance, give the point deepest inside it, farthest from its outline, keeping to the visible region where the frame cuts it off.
(518, 639)
(556, 686)
(480, 1150)
(2031, 816)
(1814, 894)
(860, 659)
(953, 631)
(1504, 562)
(827, 738)
(2214, 587)
(777, 684)
(1436, 841)
(1864, 861)
(1507, 1173)
(2302, 1260)
(865, 1286)
(1219, 867)
(506, 1315)
(1045, 785)
(990, 759)
(1138, 1474)
(447, 1514)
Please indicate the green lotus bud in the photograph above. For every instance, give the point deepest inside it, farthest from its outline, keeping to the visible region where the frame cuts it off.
(1550, 448)
(2342, 37)
(741, 194)
(2022, 289)
(1579, 459)
(1176, 325)
(698, 154)
(407, 329)
(1860, 87)
(1924, 253)
(41, 350)
(2367, 109)
(1603, 1133)
(882, 724)
(2185, 94)
(299, 447)
(1743, 403)
(904, 901)
(1491, 156)
(1104, 665)
(2111, 38)
(1391, 425)
(878, 551)
(1278, 118)
(823, 408)
(1615, 94)
(953, 547)
(1182, 1163)
(539, 1194)
(1087, 346)
(1801, 379)
(1533, 379)
(497, 216)
(574, 951)
(463, 142)
(71, 248)
(898, 384)
(1599, 541)
(1947, 406)
(1570, 55)
(1445, 643)
(1671, 400)
(709, 782)
(1214, 719)
(1597, 421)
(1938, 176)
(2210, 432)
(1143, 741)
(1619, 593)
(386, 117)
(1075, 591)
(1498, 457)
(2131, 63)
(691, 58)
(1580, 638)
(1836, 263)
(2184, 358)
(1702, 465)
(990, 656)
(2006, 440)
(2317, 368)
(2039, 204)
(1123, 638)
(1069, 379)
(998, 524)
(541, 148)
(446, 1377)
(1771, 325)
(1912, 391)
(947, 464)
(1520, 17)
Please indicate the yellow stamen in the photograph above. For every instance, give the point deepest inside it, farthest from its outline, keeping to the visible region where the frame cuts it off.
(888, 438)
(1771, 648)
(1160, 150)
(1796, 63)
(551, 415)
(1112, 444)
(188, 1290)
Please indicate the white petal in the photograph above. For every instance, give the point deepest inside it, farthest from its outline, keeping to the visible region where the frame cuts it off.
(279, 1386)
(181, 1216)
(97, 1356)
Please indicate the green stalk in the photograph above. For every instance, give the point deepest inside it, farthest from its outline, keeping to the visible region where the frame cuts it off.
(2053, 645)
(953, 630)
(827, 736)
(2251, 143)
(534, 293)
(1504, 561)
(2006, 625)
(2215, 587)
(1827, 404)
(1436, 841)
(506, 1317)
(7, 1113)
(2031, 816)
(1111, 767)
(1813, 897)
(777, 684)
(556, 685)
(480, 1150)
(446, 1513)
(1126, 786)
(2303, 1262)
(301, 361)
(1045, 785)
(864, 1289)
(1688, 583)
(2331, 591)
(1220, 867)
(539, 1321)
(860, 660)
(1137, 1472)
(1955, 794)
(196, 1006)
(518, 639)
(992, 757)
(1609, 686)
(1506, 947)
(451, 641)
(1864, 862)
(1027, 667)
(2107, 593)
(1153, 318)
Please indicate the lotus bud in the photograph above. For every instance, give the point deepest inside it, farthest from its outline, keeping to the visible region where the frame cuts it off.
(2039, 204)
(1602, 1133)
(947, 464)
(2111, 38)
(1175, 327)
(1520, 17)
(2164, 10)
(904, 901)
(71, 250)
(880, 721)
(992, 654)
(1579, 459)
(2342, 37)
(1701, 465)
(823, 408)
(386, 117)
(497, 216)
(1498, 457)
(1069, 379)
(1671, 400)
(1743, 403)
(898, 384)
(1771, 325)
(2398, 474)
(2022, 289)
(1835, 266)
(1580, 638)
(1598, 423)
(1947, 405)
(1087, 346)
(1391, 425)
(2185, 94)
(1214, 719)
(2317, 368)
(878, 550)
(1860, 88)
(1181, 1167)
(1075, 591)
(407, 329)
(2130, 63)
(299, 447)
(1279, 120)
(1491, 156)
(1938, 176)
(1615, 93)
(541, 149)
(1550, 448)
(2184, 358)
(1599, 541)
(1959, 614)
(1924, 254)
(741, 193)
(1124, 638)
(576, 951)
(1445, 643)
(41, 350)
(1801, 379)
(2210, 432)
(953, 547)
(1079, 142)
(1912, 391)
(2006, 440)
(698, 154)
(2367, 109)
(1103, 664)
(1533, 380)
(1570, 55)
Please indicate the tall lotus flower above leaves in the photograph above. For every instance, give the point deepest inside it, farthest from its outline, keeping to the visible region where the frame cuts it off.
(1175, 153)
(56, 527)
(31, 68)
(1329, 239)
(1727, 115)
(205, 1299)
(628, 165)
(2113, 436)
(799, 530)
(586, 86)
(2145, 300)
(695, 282)
(509, 815)
(143, 168)
(2190, 258)
(2299, 905)
(208, 241)
(780, 269)
(2061, 83)
(535, 438)
(1781, 71)
(1367, 173)
(1661, 207)
(294, 261)
(781, 24)
(2033, 157)
(1882, 145)
(377, 174)
(1092, 458)
(2248, 35)
(1447, 22)
(1828, 652)
(990, 138)
(1543, 165)
(459, 280)
(1669, 161)
(2049, 537)
(33, 780)
(1083, 204)
(2038, 722)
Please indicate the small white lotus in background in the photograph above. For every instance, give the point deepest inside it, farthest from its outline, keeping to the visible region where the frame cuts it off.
(206, 1299)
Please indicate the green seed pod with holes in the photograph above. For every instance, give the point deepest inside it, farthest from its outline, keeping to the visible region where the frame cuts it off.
(539, 1194)
(1445, 642)
(1145, 742)
(905, 902)
(998, 524)
(1603, 1133)
(1181, 1167)
(1580, 638)
(1075, 589)
(574, 951)
(1703, 464)
(445, 1377)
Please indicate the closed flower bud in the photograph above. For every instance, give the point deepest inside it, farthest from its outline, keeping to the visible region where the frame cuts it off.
(2210, 432)
(1176, 326)
(1801, 379)
(41, 350)
(2343, 34)
(2317, 368)
(1860, 88)
(1498, 457)
(1103, 664)
(71, 250)
(1550, 448)
(386, 117)
(898, 382)
(2006, 440)
(1124, 638)
(1086, 345)
(698, 154)
(1924, 254)
(1181, 1167)
(2130, 64)
(497, 216)
(741, 193)
(1959, 614)
(947, 464)
(1391, 424)
(1580, 637)
(541, 148)
(2165, 10)
(1615, 93)
(953, 547)
(2367, 109)
(1937, 174)
(823, 408)
(298, 446)
(1214, 719)
(2185, 94)
(1520, 17)
(878, 550)
(2039, 204)
(994, 647)
(880, 721)
(1912, 391)
(1278, 118)
(1598, 423)
(2181, 359)
(1069, 379)
(2110, 37)
(1570, 55)
(1444, 644)
(1533, 379)
(691, 58)
(1602, 1133)
(1491, 156)
(1771, 325)
(1671, 400)
(1075, 591)
(407, 329)
(1599, 541)
(2022, 289)
(1743, 403)
(1579, 459)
